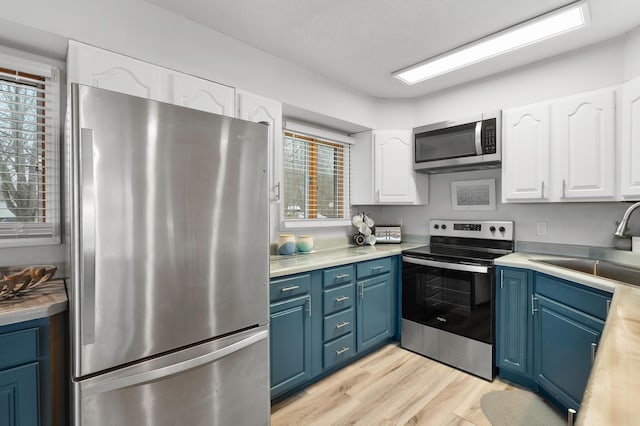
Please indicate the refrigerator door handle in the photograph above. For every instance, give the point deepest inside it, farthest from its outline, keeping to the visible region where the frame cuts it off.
(148, 376)
(88, 241)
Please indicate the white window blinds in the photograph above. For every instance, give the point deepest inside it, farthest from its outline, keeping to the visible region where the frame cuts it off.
(316, 178)
(29, 154)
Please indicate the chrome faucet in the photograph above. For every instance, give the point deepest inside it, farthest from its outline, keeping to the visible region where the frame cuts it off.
(623, 228)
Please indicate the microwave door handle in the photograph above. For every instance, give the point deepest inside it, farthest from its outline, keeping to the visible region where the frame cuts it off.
(479, 138)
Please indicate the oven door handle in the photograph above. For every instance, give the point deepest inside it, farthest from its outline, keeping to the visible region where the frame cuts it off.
(446, 265)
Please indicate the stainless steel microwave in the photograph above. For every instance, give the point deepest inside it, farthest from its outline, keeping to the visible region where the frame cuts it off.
(470, 144)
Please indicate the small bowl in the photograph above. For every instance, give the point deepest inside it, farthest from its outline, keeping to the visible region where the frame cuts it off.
(305, 243)
(287, 244)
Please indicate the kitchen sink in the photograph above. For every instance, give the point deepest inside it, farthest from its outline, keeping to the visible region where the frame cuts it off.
(598, 268)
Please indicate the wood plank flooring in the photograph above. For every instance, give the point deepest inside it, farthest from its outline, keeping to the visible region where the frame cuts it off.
(390, 387)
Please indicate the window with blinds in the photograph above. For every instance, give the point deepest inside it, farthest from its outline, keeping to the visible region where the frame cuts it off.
(315, 177)
(29, 155)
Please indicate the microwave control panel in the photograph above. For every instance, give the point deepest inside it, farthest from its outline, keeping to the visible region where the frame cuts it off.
(489, 136)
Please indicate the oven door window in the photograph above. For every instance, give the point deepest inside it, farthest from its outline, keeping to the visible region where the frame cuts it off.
(455, 301)
(453, 142)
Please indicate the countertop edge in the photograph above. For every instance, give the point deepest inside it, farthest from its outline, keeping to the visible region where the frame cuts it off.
(53, 302)
(281, 266)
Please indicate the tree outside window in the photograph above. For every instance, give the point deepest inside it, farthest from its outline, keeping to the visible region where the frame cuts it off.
(313, 178)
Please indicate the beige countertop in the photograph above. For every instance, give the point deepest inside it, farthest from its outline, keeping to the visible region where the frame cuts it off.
(43, 301)
(293, 264)
(613, 390)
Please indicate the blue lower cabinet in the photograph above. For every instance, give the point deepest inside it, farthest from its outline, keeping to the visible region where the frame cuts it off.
(24, 373)
(290, 333)
(514, 322)
(565, 342)
(547, 333)
(374, 311)
(322, 320)
(19, 396)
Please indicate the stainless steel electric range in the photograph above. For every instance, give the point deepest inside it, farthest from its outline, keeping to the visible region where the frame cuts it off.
(448, 293)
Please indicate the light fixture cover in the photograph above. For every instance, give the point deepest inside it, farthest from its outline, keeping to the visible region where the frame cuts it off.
(557, 22)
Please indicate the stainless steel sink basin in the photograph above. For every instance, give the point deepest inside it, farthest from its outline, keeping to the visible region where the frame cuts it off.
(598, 268)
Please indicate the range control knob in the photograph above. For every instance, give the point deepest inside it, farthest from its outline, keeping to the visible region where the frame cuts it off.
(492, 228)
(501, 229)
(436, 226)
(444, 226)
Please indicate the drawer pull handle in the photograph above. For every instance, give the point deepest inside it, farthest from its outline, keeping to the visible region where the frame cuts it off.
(341, 351)
(285, 289)
(343, 324)
(342, 298)
(375, 268)
(341, 276)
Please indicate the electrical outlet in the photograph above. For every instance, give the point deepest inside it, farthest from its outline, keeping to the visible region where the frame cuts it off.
(541, 228)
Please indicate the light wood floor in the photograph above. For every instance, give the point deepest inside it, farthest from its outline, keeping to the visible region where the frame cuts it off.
(390, 387)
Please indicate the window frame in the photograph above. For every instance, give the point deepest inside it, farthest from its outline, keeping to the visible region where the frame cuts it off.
(329, 137)
(47, 232)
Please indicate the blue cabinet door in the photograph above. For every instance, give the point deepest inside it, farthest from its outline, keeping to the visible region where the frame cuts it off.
(19, 396)
(513, 322)
(374, 311)
(565, 342)
(290, 346)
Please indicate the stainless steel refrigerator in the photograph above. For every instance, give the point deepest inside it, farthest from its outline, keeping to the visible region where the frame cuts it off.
(168, 220)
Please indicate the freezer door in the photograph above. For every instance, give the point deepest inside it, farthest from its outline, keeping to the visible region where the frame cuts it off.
(221, 383)
(169, 228)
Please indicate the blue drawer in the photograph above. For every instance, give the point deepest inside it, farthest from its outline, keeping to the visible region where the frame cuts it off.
(338, 324)
(18, 347)
(339, 350)
(285, 288)
(339, 298)
(374, 267)
(591, 301)
(338, 276)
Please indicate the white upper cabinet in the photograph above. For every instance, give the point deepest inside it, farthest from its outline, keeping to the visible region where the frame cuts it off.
(561, 150)
(204, 95)
(263, 110)
(382, 170)
(630, 155)
(584, 129)
(107, 70)
(525, 150)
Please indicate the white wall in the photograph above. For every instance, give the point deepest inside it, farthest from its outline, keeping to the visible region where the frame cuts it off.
(589, 68)
(632, 55)
(567, 223)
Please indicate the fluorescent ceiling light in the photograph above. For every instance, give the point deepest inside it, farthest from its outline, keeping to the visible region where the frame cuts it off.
(552, 24)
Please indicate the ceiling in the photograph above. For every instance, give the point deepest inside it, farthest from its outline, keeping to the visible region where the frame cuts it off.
(359, 43)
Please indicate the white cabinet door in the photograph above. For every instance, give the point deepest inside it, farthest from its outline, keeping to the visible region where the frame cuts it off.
(107, 70)
(263, 110)
(525, 152)
(394, 177)
(585, 131)
(630, 155)
(362, 177)
(382, 170)
(201, 94)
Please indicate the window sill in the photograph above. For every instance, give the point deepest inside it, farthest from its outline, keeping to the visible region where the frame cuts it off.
(318, 223)
(29, 242)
